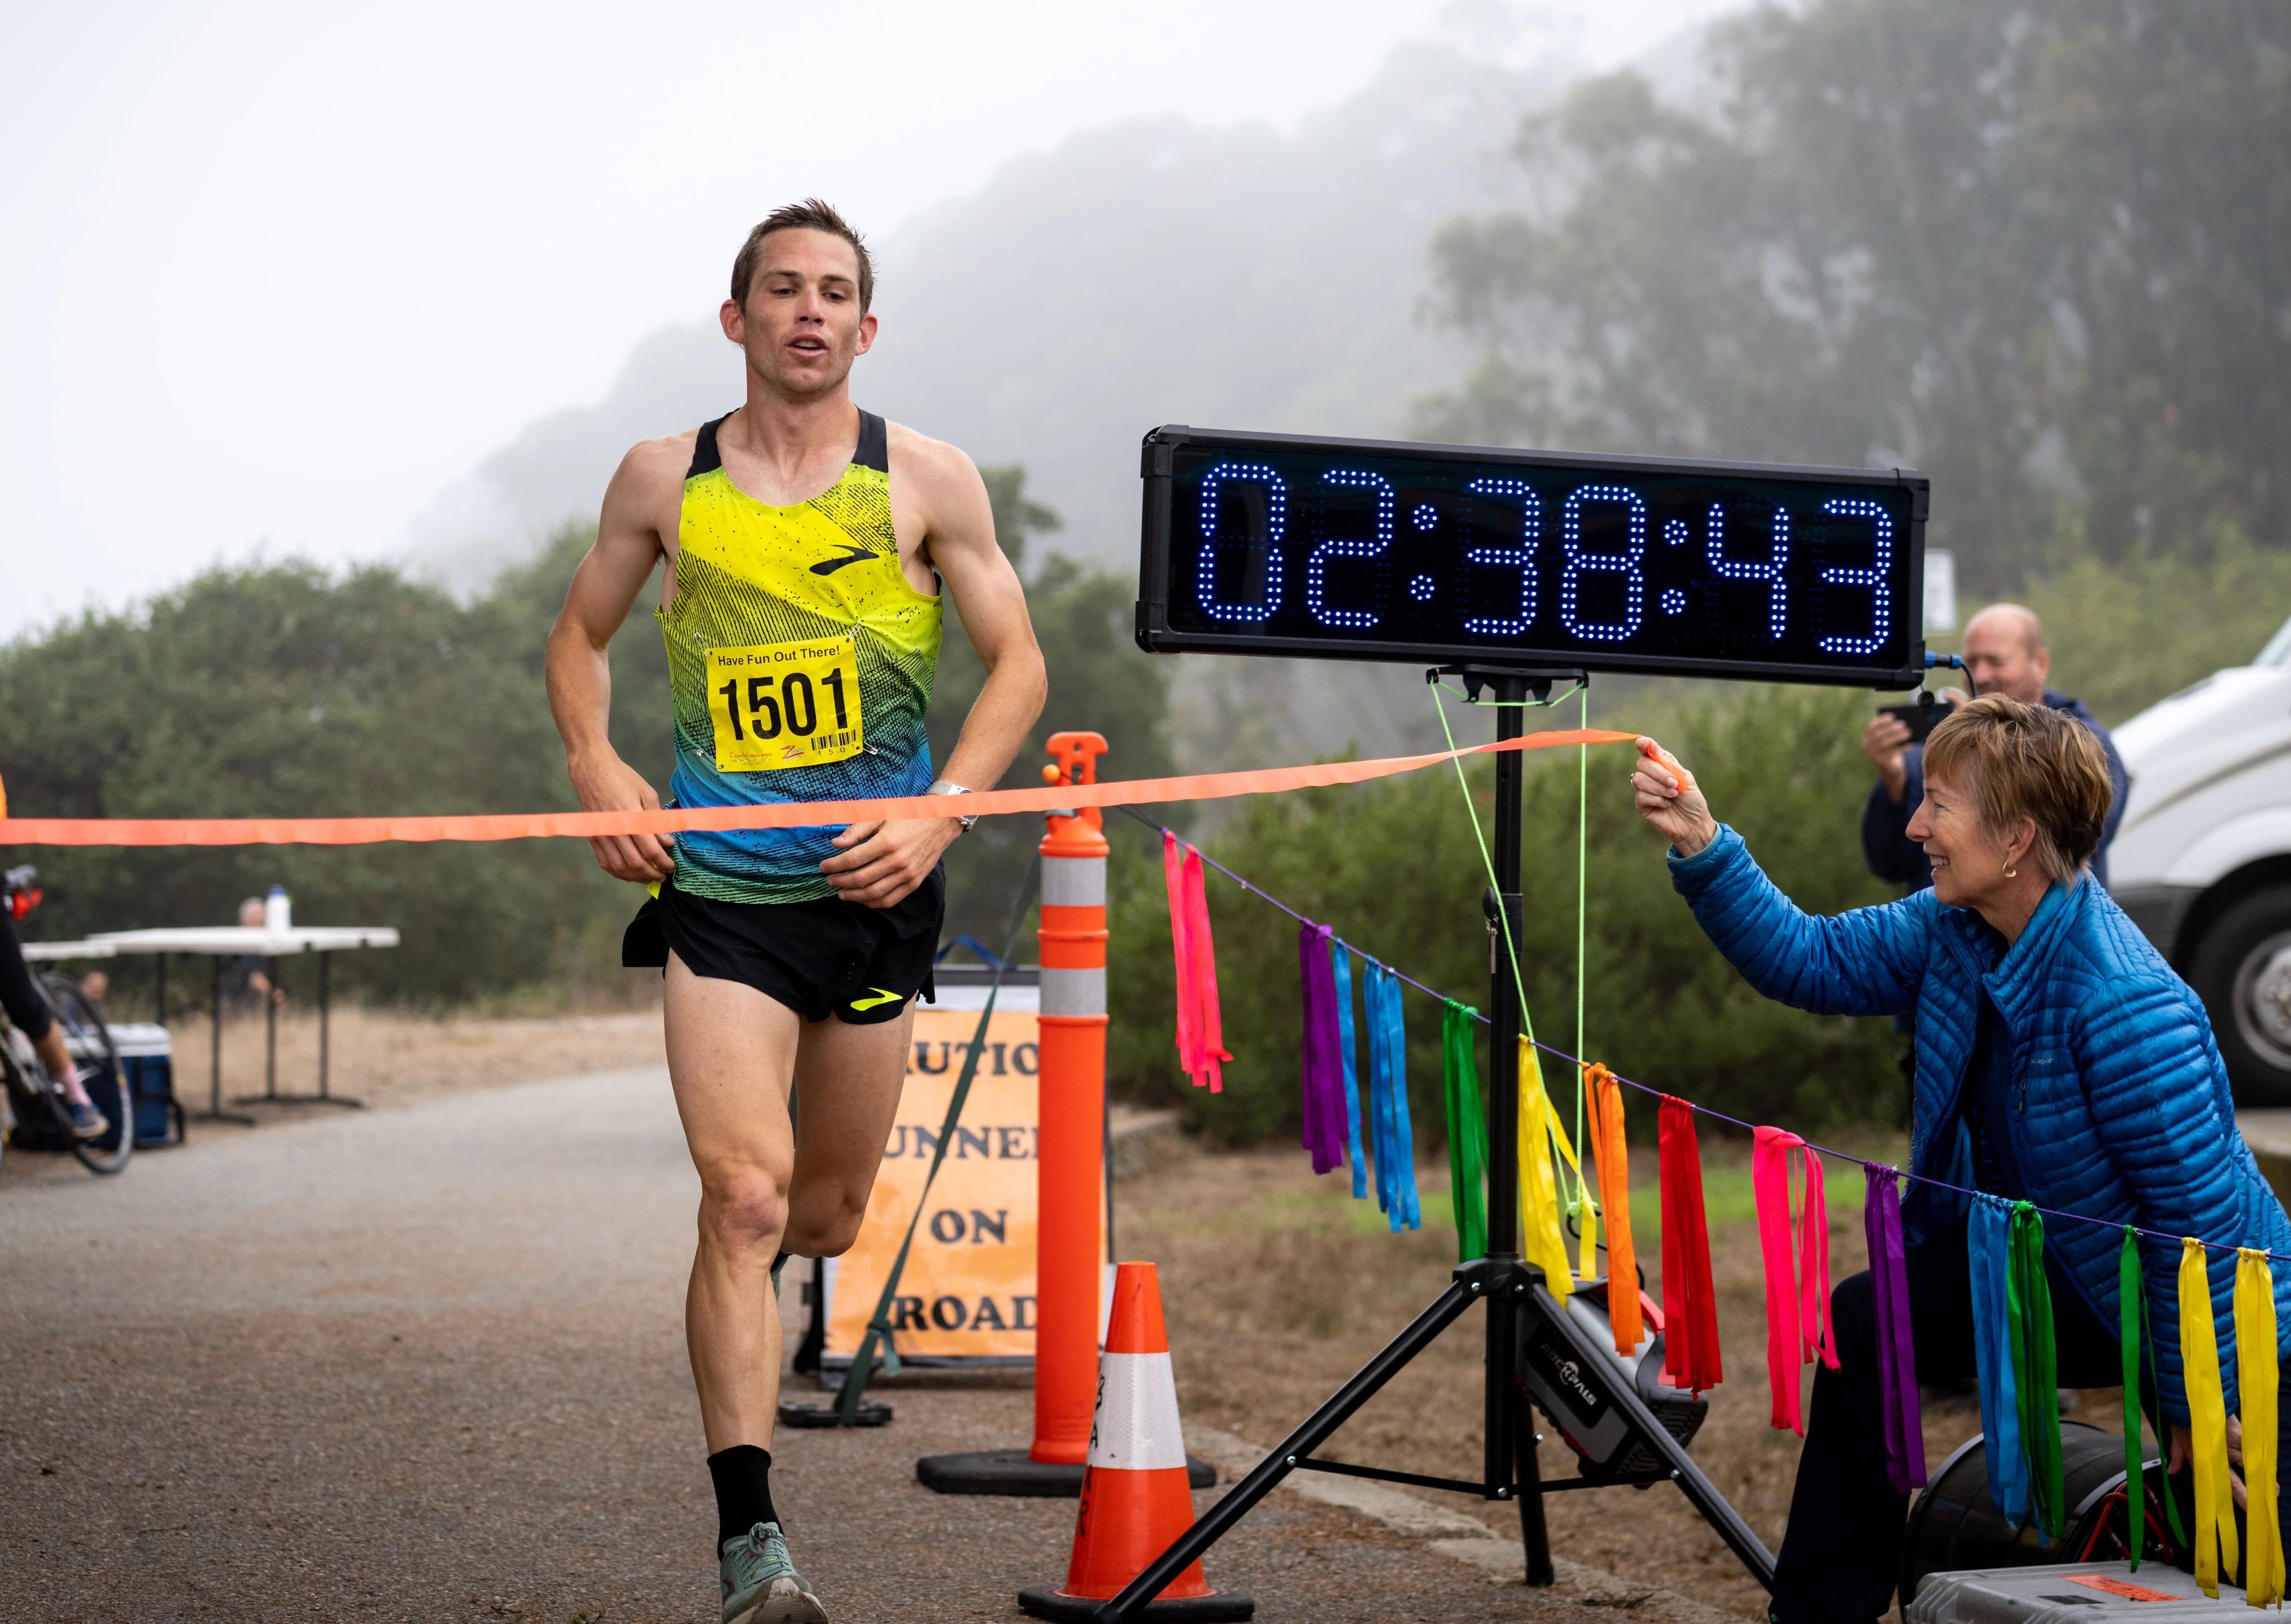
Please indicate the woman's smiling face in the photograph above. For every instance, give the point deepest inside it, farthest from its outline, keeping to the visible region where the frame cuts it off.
(1968, 865)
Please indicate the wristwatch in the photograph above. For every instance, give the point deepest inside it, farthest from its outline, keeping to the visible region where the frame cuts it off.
(948, 787)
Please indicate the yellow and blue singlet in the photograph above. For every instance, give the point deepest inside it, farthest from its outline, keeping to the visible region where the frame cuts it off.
(800, 662)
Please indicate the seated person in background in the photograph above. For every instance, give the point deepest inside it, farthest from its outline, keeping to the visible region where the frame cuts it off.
(246, 982)
(21, 997)
(95, 986)
(2004, 653)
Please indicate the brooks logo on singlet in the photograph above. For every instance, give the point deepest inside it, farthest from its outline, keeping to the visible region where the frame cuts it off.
(801, 660)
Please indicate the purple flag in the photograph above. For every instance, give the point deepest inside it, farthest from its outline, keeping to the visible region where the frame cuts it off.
(1324, 1056)
(1897, 1359)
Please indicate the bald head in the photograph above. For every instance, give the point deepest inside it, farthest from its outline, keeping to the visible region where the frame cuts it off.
(2004, 653)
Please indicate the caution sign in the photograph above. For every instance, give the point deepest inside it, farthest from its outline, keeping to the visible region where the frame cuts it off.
(968, 1291)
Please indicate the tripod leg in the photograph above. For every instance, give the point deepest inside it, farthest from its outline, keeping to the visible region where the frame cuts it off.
(1533, 1536)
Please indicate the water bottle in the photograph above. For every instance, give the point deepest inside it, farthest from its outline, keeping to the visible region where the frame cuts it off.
(278, 910)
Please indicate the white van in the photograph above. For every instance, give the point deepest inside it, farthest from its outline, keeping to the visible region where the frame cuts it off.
(2202, 860)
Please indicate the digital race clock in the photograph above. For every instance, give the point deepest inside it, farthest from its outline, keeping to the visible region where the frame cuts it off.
(1372, 549)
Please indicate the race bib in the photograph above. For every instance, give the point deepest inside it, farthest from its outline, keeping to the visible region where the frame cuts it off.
(784, 704)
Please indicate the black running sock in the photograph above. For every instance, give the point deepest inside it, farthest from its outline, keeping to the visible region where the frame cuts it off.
(743, 1490)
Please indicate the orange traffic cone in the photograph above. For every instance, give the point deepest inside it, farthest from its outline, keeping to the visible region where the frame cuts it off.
(1135, 1498)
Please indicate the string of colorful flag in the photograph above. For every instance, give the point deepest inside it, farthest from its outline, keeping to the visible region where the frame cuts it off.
(2011, 1311)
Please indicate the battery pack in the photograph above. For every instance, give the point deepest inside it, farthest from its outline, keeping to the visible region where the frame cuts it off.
(1571, 1379)
(2078, 1593)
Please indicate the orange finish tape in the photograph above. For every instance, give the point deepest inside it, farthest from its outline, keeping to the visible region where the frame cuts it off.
(778, 814)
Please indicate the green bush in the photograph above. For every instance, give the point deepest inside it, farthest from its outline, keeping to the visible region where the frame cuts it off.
(285, 691)
(1393, 866)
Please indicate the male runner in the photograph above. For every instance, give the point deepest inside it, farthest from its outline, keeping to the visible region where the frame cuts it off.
(806, 543)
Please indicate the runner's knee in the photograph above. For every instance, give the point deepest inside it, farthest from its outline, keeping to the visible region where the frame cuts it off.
(824, 1223)
(746, 1207)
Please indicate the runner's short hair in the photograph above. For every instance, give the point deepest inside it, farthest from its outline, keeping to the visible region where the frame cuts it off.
(809, 215)
(2031, 761)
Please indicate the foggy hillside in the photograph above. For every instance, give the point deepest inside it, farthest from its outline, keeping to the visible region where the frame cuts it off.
(1150, 272)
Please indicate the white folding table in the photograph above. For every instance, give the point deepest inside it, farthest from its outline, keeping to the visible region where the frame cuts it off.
(220, 943)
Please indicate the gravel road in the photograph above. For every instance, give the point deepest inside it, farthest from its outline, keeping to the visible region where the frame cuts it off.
(427, 1365)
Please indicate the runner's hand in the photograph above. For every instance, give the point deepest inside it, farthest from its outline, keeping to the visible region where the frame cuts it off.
(877, 864)
(1670, 800)
(610, 784)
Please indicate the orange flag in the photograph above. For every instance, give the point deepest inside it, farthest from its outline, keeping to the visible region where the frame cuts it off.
(1605, 1097)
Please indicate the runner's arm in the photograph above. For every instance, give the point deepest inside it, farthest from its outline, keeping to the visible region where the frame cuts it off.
(580, 672)
(986, 592)
(878, 864)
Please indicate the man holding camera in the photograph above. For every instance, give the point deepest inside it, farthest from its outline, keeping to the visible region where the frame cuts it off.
(2004, 653)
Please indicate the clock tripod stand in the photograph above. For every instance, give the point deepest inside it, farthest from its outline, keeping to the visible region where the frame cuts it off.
(1598, 1393)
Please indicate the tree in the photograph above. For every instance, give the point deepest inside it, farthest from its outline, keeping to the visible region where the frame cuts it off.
(1099, 680)
(2040, 249)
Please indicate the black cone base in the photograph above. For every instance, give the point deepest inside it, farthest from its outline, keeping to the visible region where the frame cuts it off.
(1041, 1601)
(869, 1414)
(1009, 1471)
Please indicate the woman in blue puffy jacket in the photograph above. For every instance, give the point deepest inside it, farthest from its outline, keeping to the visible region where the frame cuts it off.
(2059, 1060)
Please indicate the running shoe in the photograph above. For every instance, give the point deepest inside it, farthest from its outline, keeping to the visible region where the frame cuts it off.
(87, 1122)
(761, 1585)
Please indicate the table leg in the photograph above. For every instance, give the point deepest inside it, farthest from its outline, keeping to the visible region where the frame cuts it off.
(325, 1096)
(270, 1032)
(214, 1113)
(323, 962)
(159, 997)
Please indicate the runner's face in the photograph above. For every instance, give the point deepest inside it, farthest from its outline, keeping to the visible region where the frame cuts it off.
(802, 327)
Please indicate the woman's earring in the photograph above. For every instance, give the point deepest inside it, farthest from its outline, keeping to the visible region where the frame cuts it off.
(2011, 872)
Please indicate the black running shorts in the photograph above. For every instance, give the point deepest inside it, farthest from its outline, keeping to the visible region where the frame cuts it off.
(827, 957)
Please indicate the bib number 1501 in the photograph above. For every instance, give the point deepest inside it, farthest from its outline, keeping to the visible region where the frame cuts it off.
(777, 705)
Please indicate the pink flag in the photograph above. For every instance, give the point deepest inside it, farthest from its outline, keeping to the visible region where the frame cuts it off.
(1797, 1291)
(1201, 1028)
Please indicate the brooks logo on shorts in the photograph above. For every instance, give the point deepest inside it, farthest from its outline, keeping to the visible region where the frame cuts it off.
(860, 1005)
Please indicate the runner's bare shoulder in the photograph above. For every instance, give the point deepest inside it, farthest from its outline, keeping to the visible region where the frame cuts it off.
(648, 489)
(937, 484)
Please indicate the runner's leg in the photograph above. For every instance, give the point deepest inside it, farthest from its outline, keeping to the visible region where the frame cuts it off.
(850, 1077)
(731, 1057)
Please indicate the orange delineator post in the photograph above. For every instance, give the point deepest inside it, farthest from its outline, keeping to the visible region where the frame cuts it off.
(1070, 1248)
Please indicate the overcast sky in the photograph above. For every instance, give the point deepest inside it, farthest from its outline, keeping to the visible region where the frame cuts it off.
(275, 273)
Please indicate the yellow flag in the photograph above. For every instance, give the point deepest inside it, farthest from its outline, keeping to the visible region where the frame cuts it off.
(1542, 1241)
(2200, 1367)
(1587, 1249)
(2257, 1373)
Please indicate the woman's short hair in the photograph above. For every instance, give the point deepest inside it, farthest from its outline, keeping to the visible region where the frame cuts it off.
(2031, 761)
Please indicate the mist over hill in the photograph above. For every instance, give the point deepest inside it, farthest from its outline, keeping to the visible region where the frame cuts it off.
(1153, 271)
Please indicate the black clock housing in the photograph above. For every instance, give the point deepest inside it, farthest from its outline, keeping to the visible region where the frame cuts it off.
(1374, 550)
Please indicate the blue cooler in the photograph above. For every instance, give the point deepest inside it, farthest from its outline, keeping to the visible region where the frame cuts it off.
(147, 1062)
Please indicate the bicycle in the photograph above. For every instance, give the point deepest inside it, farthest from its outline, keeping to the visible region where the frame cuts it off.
(39, 1117)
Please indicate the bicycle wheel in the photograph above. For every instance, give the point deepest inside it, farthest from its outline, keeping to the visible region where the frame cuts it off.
(89, 1043)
